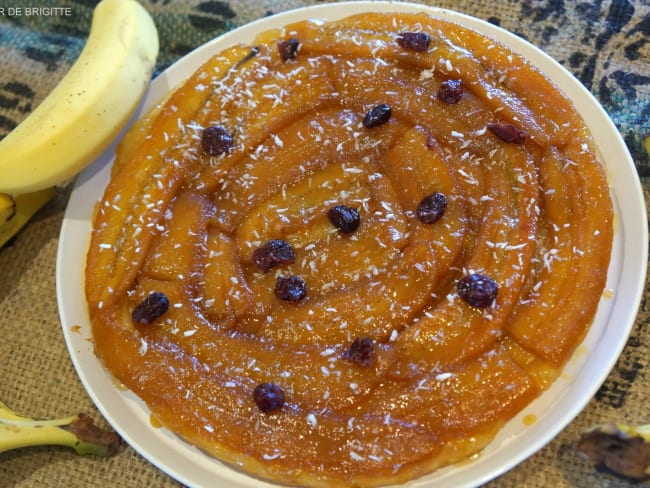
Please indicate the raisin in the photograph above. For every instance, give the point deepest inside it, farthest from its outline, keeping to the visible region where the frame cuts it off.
(432, 208)
(152, 307)
(377, 116)
(414, 41)
(216, 140)
(289, 48)
(344, 218)
(275, 252)
(290, 288)
(477, 290)
(451, 91)
(508, 133)
(268, 397)
(361, 351)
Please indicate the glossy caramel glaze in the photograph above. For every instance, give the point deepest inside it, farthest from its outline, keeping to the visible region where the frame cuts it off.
(387, 373)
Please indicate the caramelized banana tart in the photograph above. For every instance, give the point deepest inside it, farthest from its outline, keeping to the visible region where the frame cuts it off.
(349, 253)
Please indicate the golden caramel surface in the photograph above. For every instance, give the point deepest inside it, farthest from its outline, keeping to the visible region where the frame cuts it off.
(388, 366)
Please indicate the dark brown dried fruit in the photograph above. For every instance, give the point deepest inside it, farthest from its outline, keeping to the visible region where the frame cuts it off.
(451, 91)
(508, 132)
(288, 48)
(414, 41)
(268, 397)
(361, 351)
(477, 290)
(290, 288)
(152, 307)
(344, 218)
(275, 252)
(216, 140)
(432, 208)
(378, 115)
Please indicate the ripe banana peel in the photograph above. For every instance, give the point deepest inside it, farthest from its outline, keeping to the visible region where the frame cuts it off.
(15, 212)
(81, 117)
(76, 431)
(91, 105)
(7, 207)
(621, 449)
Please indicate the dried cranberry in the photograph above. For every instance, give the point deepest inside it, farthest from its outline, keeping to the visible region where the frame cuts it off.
(414, 41)
(344, 218)
(451, 91)
(288, 48)
(361, 351)
(432, 208)
(508, 132)
(216, 140)
(152, 307)
(275, 252)
(477, 290)
(268, 397)
(377, 116)
(290, 288)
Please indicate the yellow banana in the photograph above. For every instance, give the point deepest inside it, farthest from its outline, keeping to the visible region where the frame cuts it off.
(75, 431)
(7, 207)
(25, 206)
(87, 110)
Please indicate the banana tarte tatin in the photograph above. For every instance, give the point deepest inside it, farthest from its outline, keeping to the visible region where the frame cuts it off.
(349, 253)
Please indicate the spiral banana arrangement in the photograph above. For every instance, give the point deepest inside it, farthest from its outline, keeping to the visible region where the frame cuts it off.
(79, 119)
(347, 254)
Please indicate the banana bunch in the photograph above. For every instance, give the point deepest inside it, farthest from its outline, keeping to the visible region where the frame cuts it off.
(75, 431)
(84, 113)
(621, 449)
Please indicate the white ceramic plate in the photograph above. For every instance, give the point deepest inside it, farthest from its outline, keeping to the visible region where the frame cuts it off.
(553, 410)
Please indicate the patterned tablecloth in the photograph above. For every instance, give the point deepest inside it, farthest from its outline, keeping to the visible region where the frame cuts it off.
(605, 43)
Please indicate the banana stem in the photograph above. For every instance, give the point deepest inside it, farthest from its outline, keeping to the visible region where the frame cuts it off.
(623, 450)
(76, 431)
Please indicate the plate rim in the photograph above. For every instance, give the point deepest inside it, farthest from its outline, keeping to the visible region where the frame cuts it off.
(636, 243)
